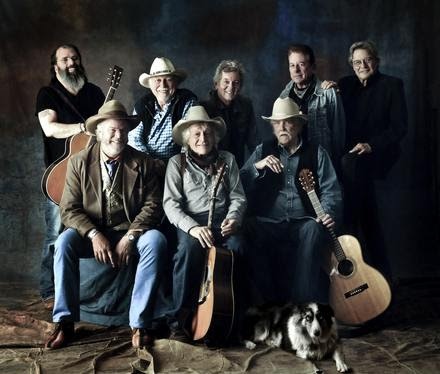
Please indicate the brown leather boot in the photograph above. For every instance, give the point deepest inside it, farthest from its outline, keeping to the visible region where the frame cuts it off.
(62, 334)
(142, 338)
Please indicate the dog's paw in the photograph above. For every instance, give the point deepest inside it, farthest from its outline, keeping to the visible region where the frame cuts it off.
(249, 345)
(342, 367)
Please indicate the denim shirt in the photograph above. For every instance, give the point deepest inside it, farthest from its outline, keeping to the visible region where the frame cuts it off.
(186, 201)
(326, 119)
(288, 203)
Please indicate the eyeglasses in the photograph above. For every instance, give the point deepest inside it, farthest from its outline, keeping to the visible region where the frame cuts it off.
(367, 60)
(65, 59)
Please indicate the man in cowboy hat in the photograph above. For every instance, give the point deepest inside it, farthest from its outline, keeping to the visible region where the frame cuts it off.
(111, 205)
(160, 109)
(189, 180)
(286, 239)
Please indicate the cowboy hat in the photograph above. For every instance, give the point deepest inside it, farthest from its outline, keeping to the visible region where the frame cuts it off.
(161, 66)
(197, 114)
(112, 109)
(284, 109)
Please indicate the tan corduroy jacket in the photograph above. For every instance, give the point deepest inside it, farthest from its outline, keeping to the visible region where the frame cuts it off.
(81, 204)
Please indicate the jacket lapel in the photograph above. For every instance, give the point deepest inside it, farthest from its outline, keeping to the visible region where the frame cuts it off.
(130, 175)
(94, 173)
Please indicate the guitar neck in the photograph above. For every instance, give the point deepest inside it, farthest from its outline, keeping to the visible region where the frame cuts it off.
(220, 172)
(317, 207)
(110, 94)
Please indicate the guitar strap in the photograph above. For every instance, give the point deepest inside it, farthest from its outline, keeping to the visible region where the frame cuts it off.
(67, 101)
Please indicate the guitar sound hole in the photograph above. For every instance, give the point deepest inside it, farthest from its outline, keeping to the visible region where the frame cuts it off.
(345, 267)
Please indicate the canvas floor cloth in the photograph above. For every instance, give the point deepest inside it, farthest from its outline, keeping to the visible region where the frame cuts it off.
(407, 340)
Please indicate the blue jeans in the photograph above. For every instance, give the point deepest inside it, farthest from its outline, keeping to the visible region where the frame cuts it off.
(152, 251)
(284, 261)
(53, 226)
(189, 264)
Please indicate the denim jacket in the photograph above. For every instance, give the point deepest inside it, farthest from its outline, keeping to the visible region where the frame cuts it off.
(326, 125)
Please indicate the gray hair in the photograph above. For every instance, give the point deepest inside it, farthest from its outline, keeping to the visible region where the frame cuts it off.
(185, 134)
(229, 66)
(363, 44)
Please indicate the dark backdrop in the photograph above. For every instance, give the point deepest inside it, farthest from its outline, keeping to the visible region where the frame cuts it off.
(196, 35)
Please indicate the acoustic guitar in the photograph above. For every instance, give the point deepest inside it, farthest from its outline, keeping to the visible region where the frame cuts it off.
(52, 182)
(214, 316)
(358, 292)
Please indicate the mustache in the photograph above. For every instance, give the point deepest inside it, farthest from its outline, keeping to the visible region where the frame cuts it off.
(78, 74)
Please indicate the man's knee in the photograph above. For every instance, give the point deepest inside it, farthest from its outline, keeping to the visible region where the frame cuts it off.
(67, 243)
(152, 242)
(189, 248)
(312, 229)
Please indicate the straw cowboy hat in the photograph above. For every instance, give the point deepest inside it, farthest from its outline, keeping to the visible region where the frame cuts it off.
(112, 109)
(197, 114)
(284, 109)
(161, 66)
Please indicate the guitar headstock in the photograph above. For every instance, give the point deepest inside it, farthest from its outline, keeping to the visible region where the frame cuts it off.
(306, 179)
(114, 76)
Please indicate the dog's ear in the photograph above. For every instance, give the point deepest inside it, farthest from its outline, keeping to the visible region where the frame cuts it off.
(327, 310)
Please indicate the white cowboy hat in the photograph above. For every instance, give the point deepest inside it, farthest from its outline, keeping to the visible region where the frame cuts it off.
(161, 66)
(284, 109)
(112, 109)
(197, 114)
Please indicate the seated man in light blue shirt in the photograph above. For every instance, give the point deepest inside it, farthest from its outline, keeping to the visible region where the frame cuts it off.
(160, 109)
(287, 243)
(189, 182)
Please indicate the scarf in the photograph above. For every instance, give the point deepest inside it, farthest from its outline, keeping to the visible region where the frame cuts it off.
(206, 162)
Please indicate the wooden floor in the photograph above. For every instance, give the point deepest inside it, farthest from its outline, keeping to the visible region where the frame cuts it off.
(406, 339)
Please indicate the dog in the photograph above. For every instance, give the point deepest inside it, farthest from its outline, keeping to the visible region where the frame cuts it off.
(308, 330)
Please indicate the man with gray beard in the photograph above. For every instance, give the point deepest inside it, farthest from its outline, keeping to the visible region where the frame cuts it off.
(62, 108)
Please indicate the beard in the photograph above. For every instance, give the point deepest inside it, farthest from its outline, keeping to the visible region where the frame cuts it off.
(75, 80)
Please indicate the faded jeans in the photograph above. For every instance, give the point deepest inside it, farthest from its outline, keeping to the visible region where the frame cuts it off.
(152, 252)
(53, 227)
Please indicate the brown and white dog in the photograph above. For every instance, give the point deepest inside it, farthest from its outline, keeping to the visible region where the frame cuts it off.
(309, 330)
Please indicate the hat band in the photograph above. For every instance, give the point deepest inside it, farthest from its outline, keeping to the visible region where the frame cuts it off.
(162, 71)
(116, 113)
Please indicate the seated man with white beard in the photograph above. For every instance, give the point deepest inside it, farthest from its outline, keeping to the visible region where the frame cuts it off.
(111, 207)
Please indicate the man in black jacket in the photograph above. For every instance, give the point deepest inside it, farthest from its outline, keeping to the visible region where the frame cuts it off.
(160, 109)
(236, 110)
(376, 116)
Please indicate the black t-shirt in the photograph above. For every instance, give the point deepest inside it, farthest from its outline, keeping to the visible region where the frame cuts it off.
(87, 102)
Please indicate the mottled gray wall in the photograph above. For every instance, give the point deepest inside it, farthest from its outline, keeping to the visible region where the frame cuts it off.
(196, 35)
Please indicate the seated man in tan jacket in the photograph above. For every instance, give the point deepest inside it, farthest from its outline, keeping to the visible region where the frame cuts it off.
(111, 205)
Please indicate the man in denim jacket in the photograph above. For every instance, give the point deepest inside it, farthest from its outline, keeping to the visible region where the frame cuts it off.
(324, 109)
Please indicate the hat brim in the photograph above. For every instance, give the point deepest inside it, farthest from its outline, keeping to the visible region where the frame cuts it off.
(182, 125)
(92, 122)
(301, 117)
(144, 77)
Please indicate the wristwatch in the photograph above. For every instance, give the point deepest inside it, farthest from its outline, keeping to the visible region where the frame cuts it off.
(131, 237)
(92, 233)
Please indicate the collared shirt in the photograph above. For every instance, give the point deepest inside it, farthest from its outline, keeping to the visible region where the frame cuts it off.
(186, 200)
(326, 119)
(288, 204)
(159, 143)
(105, 160)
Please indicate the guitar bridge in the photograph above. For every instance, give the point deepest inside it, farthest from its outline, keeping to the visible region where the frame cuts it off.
(356, 291)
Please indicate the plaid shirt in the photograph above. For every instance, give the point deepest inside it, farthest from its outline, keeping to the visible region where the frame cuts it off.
(159, 143)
